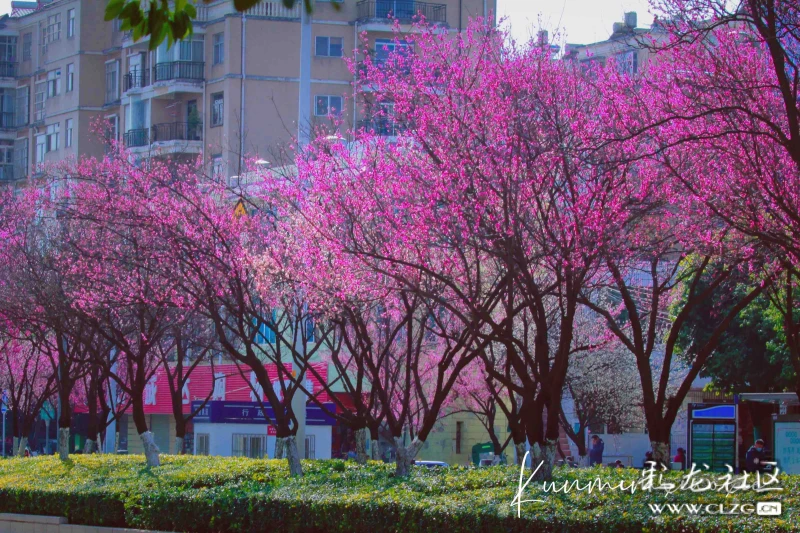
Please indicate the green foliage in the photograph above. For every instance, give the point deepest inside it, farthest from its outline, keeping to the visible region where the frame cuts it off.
(752, 355)
(226, 494)
(161, 21)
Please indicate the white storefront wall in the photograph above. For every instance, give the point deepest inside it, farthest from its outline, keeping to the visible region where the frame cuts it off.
(220, 438)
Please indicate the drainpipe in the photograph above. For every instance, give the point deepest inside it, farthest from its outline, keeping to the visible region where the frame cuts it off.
(485, 11)
(355, 73)
(303, 111)
(460, 15)
(241, 106)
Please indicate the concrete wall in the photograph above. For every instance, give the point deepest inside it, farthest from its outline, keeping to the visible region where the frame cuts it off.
(20, 523)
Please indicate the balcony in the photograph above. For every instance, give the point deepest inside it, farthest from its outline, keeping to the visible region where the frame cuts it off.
(383, 126)
(180, 70)
(404, 11)
(177, 131)
(165, 133)
(8, 69)
(136, 80)
(8, 121)
(136, 138)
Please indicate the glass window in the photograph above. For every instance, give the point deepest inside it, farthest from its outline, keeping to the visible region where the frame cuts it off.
(41, 96)
(70, 23)
(327, 105)
(68, 130)
(217, 170)
(53, 83)
(219, 48)
(191, 50)
(52, 32)
(8, 48)
(70, 77)
(22, 109)
(311, 447)
(41, 143)
(52, 134)
(202, 441)
(21, 158)
(112, 81)
(253, 446)
(27, 41)
(217, 109)
(329, 46)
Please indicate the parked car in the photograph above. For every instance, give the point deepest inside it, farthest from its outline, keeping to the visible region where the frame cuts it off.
(432, 464)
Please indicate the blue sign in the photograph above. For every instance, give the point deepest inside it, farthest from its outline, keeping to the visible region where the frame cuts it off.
(4, 403)
(250, 413)
(716, 412)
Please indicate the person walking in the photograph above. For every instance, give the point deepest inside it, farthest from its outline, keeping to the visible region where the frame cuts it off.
(596, 451)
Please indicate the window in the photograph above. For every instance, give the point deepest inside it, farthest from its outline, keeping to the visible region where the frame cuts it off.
(27, 42)
(52, 137)
(219, 386)
(459, 435)
(8, 48)
(253, 446)
(217, 108)
(385, 47)
(309, 329)
(219, 48)
(266, 334)
(41, 144)
(53, 83)
(191, 50)
(201, 443)
(38, 105)
(216, 167)
(112, 81)
(21, 158)
(51, 32)
(68, 129)
(311, 447)
(7, 105)
(70, 23)
(327, 105)
(70, 77)
(329, 46)
(112, 133)
(627, 62)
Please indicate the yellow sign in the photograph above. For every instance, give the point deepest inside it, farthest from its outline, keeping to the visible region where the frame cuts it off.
(240, 209)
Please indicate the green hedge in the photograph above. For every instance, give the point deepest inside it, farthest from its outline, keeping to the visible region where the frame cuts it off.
(223, 494)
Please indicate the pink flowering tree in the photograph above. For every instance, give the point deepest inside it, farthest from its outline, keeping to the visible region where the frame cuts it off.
(497, 199)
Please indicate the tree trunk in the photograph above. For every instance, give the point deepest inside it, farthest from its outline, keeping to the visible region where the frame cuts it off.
(376, 450)
(23, 443)
(520, 449)
(361, 446)
(544, 454)
(151, 451)
(661, 453)
(89, 447)
(63, 443)
(280, 447)
(179, 444)
(293, 456)
(406, 455)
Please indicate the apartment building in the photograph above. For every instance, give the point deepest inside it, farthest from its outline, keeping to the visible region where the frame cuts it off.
(625, 45)
(230, 90)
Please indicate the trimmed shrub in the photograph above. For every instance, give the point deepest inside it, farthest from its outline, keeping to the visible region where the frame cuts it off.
(225, 494)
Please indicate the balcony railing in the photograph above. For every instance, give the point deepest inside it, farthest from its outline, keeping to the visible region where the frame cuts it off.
(8, 69)
(177, 131)
(384, 126)
(136, 138)
(180, 70)
(403, 10)
(8, 121)
(136, 79)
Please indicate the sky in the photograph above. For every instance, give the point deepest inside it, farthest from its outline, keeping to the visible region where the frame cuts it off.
(579, 21)
(575, 21)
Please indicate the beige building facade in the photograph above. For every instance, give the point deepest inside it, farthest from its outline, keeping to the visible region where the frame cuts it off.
(229, 92)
